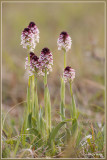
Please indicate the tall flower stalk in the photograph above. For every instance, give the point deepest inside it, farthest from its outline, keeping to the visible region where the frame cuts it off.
(36, 66)
(29, 39)
(34, 70)
(64, 43)
(68, 76)
(46, 59)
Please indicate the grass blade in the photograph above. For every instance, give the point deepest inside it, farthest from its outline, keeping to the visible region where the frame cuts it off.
(55, 130)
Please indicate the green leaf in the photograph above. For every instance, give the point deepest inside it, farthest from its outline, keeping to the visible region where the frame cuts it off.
(41, 122)
(34, 122)
(62, 105)
(28, 98)
(79, 137)
(77, 114)
(30, 120)
(68, 134)
(16, 147)
(74, 128)
(34, 131)
(49, 110)
(73, 108)
(62, 111)
(55, 130)
(61, 115)
(60, 136)
(36, 105)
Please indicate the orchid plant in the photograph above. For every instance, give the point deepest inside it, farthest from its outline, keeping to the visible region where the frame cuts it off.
(38, 118)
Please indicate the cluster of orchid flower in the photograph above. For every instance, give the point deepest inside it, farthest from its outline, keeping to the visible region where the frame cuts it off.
(37, 65)
(42, 65)
(64, 43)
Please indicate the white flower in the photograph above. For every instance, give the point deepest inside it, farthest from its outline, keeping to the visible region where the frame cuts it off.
(64, 42)
(34, 67)
(34, 29)
(46, 60)
(27, 39)
(69, 74)
(30, 37)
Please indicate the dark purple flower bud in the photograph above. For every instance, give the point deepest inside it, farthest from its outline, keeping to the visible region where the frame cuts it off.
(64, 35)
(45, 51)
(35, 61)
(31, 54)
(35, 58)
(32, 25)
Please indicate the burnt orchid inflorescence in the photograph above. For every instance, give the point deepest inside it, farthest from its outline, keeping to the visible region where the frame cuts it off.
(34, 29)
(38, 65)
(69, 74)
(34, 67)
(64, 41)
(30, 37)
(46, 59)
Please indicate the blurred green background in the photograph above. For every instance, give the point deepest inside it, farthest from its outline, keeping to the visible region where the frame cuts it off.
(84, 22)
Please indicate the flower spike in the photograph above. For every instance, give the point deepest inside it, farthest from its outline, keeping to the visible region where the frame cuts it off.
(35, 66)
(64, 41)
(69, 74)
(46, 59)
(30, 37)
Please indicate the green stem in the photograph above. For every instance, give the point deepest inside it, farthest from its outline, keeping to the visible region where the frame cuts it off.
(29, 68)
(33, 93)
(36, 82)
(62, 106)
(47, 105)
(73, 105)
(45, 99)
(63, 80)
(64, 83)
(64, 59)
(28, 90)
(36, 109)
(49, 111)
(71, 89)
(45, 78)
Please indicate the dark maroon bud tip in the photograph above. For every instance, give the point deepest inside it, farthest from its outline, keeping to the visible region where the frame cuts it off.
(35, 58)
(67, 68)
(45, 50)
(31, 54)
(31, 24)
(26, 30)
(64, 33)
